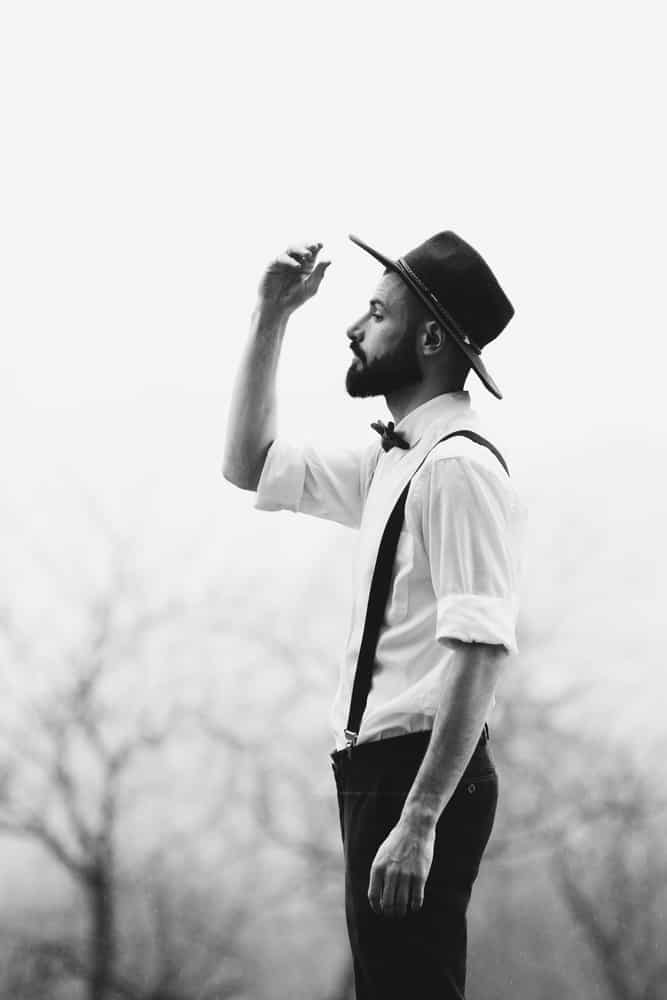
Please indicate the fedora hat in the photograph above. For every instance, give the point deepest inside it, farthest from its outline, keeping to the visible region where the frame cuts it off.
(459, 289)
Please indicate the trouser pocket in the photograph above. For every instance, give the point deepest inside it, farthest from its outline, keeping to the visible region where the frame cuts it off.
(463, 831)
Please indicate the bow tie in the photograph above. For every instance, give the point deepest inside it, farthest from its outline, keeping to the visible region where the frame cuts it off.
(389, 436)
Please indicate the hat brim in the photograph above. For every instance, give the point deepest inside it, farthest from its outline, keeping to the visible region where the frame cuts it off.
(386, 261)
(435, 308)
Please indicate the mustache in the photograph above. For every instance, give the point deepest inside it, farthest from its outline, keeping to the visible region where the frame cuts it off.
(358, 353)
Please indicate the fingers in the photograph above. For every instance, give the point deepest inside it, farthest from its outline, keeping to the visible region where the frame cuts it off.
(394, 893)
(393, 882)
(375, 889)
(299, 258)
(300, 251)
(416, 900)
(305, 254)
(402, 897)
(286, 261)
(315, 278)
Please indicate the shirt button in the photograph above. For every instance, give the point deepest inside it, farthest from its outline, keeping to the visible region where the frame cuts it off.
(471, 788)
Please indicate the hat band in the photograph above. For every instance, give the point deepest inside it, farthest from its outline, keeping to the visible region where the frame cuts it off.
(431, 299)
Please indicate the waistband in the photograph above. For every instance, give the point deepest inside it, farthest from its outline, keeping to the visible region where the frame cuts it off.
(393, 747)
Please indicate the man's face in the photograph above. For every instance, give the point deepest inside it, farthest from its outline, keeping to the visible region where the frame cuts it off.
(384, 343)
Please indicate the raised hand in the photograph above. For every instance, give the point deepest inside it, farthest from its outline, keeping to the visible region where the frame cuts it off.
(292, 278)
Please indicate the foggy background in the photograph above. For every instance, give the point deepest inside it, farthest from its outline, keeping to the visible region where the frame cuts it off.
(168, 655)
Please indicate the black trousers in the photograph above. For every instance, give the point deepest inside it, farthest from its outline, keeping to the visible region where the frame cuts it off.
(421, 956)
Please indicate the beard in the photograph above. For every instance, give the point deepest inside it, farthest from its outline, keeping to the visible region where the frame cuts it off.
(389, 373)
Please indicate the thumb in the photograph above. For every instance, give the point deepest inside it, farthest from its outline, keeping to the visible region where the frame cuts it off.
(314, 280)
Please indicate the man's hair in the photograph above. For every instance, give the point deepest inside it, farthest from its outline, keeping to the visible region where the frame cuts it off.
(418, 313)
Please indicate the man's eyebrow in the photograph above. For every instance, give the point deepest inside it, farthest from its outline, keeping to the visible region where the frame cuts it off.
(377, 302)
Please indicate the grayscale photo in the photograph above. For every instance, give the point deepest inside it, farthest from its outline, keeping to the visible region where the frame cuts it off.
(332, 520)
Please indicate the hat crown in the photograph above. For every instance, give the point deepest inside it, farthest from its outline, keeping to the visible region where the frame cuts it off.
(463, 283)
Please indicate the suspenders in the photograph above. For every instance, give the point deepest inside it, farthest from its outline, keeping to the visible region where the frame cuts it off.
(379, 593)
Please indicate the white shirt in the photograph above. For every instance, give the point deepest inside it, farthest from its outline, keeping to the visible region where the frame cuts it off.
(456, 573)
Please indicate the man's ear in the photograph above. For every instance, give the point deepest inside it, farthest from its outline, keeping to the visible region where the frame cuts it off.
(432, 337)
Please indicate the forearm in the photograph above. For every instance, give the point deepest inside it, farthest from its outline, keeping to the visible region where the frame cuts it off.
(288, 282)
(466, 698)
(251, 425)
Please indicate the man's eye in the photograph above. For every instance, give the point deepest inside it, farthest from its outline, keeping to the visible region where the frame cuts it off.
(376, 315)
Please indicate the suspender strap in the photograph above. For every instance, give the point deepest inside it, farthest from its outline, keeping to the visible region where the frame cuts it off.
(379, 593)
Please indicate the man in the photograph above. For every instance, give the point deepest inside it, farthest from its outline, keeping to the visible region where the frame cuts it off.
(435, 601)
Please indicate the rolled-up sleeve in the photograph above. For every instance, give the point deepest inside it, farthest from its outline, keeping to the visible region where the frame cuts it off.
(470, 532)
(281, 482)
(308, 480)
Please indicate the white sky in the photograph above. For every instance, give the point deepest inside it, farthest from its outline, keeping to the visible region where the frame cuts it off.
(157, 155)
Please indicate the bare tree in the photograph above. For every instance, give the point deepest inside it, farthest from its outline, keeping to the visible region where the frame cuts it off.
(74, 766)
(71, 755)
(612, 872)
(285, 788)
(596, 812)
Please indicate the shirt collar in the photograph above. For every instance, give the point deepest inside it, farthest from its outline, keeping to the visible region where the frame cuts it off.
(434, 414)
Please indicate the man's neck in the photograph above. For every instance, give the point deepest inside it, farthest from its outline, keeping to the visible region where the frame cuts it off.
(406, 400)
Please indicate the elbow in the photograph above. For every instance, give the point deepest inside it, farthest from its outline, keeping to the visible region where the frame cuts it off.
(243, 472)
(239, 478)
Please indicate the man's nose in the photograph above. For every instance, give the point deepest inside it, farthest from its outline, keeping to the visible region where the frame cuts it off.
(355, 332)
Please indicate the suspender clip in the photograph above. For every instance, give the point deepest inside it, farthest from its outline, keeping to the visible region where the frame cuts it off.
(350, 739)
